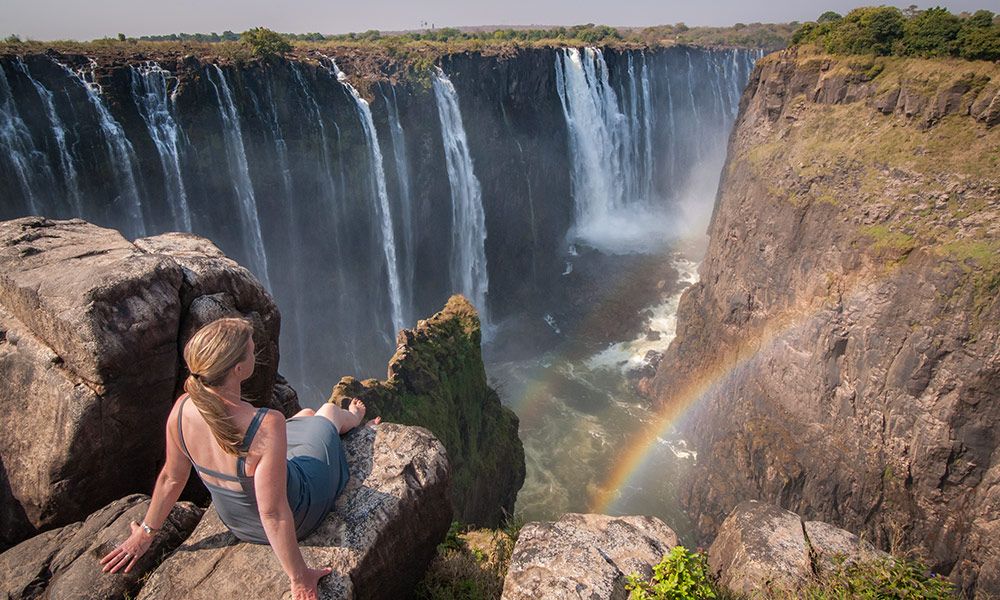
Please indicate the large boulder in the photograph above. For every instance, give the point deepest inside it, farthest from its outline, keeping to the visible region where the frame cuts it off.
(765, 548)
(65, 562)
(379, 539)
(585, 556)
(215, 286)
(437, 380)
(91, 327)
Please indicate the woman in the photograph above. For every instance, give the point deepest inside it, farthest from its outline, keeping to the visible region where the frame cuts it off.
(272, 481)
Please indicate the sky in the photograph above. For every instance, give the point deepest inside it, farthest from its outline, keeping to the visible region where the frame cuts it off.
(83, 20)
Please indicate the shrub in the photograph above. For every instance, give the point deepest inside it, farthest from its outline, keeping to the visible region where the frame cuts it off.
(681, 575)
(870, 30)
(886, 578)
(263, 42)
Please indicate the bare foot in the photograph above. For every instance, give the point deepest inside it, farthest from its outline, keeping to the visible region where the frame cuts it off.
(357, 408)
(374, 421)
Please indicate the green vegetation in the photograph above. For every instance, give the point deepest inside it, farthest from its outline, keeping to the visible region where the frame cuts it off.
(681, 575)
(264, 43)
(684, 575)
(875, 580)
(470, 564)
(886, 30)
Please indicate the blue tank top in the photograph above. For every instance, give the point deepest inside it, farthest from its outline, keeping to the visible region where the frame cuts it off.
(238, 508)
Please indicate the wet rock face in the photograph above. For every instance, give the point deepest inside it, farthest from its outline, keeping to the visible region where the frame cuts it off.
(65, 562)
(584, 556)
(91, 329)
(379, 538)
(764, 548)
(437, 380)
(842, 340)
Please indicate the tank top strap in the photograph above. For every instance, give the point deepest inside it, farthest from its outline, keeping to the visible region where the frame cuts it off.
(184, 449)
(247, 440)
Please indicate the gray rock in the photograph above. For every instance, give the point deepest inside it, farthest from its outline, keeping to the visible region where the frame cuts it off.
(91, 328)
(379, 539)
(87, 369)
(585, 556)
(764, 548)
(65, 562)
(760, 547)
(215, 286)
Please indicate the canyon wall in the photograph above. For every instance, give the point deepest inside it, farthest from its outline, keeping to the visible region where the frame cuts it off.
(840, 352)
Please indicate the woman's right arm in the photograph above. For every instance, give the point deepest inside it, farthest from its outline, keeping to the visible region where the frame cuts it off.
(275, 514)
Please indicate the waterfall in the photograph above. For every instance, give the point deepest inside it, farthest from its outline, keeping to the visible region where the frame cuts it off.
(150, 93)
(240, 172)
(647, 130)
(468, 218)
(611, 154)
(296, 314)
(405, 200)
(382, 206)
(120, 152)
(15, 138)
(70, 179)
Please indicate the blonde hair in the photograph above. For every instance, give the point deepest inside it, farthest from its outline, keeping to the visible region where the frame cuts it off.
(210, 354)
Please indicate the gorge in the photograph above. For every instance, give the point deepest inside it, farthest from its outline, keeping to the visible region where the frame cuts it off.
(835, 353)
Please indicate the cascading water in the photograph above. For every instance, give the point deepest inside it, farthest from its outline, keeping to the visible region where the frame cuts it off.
(240, 173)
(352, 245)
(382, 206)
(319, 210)
(150, 90)
(398, 137)
(120, 152)
(25, 160)
(610, 140)
(70, 179)
(468, 219)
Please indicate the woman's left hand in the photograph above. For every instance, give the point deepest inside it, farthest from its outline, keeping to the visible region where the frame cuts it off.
(128, 552)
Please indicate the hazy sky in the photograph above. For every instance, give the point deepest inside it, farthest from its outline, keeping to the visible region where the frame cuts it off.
(82, 19)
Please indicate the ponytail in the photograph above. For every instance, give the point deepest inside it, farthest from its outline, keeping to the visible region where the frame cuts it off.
(210, 354)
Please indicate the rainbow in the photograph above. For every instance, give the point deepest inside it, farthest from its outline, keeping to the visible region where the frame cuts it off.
(679, 402)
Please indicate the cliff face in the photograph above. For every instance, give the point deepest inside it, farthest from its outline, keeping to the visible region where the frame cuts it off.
(436, 380)
(842, 343)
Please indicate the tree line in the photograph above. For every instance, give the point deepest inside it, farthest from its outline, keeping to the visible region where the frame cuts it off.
(889, 31)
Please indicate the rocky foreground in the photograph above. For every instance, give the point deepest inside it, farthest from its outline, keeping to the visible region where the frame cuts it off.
(842, 343)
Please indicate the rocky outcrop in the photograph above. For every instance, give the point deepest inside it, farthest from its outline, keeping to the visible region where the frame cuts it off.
(763, 548)
(379, 538)
(585, 556)
(437, 380)
(840, 350)
(91, 329)
(65, 562)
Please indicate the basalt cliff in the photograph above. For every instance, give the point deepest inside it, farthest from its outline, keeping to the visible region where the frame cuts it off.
(841, 352)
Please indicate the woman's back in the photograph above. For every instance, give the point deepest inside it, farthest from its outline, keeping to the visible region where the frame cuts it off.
(316, 471)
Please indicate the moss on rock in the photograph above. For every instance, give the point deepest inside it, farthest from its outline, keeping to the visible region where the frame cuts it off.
(437, 380)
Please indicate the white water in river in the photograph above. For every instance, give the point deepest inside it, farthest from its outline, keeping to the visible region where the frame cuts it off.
(577, 414)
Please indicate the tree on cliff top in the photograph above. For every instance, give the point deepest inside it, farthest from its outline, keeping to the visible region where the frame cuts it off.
(264, 43)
